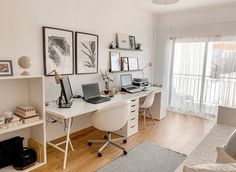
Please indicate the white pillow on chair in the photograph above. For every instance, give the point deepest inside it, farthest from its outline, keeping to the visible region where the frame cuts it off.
(231, 167)
(223, 157)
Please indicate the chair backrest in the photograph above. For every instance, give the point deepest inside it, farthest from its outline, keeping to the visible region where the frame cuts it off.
(111, 118)
(149, 100)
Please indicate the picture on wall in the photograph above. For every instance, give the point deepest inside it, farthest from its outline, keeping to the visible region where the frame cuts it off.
(133, 63)
(132, 42)
(124, 64)
(115, 61)
(123, 41)
(58, 51)
(86, 58)
(6, 68)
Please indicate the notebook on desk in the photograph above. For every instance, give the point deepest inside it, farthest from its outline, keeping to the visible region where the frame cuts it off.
(92, 95)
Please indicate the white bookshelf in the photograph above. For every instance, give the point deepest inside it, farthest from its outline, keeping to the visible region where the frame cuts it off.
(24, 90)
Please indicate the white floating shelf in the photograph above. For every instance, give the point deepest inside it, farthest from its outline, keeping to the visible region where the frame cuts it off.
(20, 77)
(19, 127)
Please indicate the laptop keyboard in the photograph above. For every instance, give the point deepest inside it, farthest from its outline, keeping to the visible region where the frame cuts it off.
(132, 88)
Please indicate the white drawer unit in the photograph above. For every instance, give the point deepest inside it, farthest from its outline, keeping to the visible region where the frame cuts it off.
(131, 127)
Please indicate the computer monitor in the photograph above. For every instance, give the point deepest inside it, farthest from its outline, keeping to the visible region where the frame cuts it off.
(90, 90)
(126, 80)
(66, 92)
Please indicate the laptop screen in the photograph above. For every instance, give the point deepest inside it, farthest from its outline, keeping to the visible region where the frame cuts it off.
(90, 90)
(126, 80)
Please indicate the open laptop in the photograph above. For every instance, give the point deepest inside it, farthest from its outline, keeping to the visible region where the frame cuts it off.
(91, 94)
(126, 84)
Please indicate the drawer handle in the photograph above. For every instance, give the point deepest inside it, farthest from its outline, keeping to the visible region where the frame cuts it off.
(132, 119)
(133, 105)
(132, 126)
(133, 111)
(133, 100)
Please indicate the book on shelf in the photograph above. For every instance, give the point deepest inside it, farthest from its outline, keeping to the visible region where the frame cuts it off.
(23, 114)
(26, 108)
(30, 119)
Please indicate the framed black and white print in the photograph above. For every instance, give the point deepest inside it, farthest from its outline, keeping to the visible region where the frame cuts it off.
(86, 53)
(6, 68)
(133, 63)
(58, 51)
(115, 61)
(124, 64)
(132, 42)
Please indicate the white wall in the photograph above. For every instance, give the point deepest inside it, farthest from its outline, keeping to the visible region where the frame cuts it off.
(204, 21)
(21, 34)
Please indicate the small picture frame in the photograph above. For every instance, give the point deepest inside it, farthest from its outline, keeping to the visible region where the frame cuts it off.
(123, 41)
(124, 64)
(115, 61)
(132, 42)
(133, 63)
(6, 68)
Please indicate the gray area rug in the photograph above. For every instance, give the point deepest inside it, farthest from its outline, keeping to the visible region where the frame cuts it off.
(146, 157)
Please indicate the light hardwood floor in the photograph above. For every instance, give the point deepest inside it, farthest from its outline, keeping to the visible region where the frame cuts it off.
(177, 132)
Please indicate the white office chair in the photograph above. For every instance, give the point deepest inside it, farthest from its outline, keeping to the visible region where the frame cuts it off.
(146, 107)
(110, 119)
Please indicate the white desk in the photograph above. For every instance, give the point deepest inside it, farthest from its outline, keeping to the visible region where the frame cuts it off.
(80, 107)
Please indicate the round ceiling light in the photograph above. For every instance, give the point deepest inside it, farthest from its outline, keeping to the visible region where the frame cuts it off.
(165, 2)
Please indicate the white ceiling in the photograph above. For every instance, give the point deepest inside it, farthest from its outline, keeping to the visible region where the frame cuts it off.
(181, 5)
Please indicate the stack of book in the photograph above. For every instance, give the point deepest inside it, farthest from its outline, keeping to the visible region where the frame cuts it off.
(27, 114)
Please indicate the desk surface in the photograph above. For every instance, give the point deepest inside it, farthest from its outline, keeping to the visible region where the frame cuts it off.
(80, 107)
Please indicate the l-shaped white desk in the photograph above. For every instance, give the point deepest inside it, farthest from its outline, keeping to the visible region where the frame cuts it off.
(80, 107)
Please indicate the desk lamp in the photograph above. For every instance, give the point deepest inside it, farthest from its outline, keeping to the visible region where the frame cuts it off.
(150, 64)
(57, 76)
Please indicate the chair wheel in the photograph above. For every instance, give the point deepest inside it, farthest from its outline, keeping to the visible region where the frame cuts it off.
(125, 141)
(89, 144)
(99, 154)
(125, 152)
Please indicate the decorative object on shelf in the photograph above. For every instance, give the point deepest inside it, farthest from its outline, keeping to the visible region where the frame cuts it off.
(58, 51)
(6, 68)
(107, 78)
(27, 114)
(24, 62)
(138, 46)
(150, 64)
(124, 64)
(8, 116)
(57, 76)
(115, 61)
(113, 45)
(123, 41)
(86, 53)
(133, 63)
(132, 42)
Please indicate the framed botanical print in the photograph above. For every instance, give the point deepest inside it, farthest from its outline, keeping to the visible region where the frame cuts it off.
(133, 63)
(58, 51)
(86, 53)
(115, 61)
(6, 68)
(124, 64)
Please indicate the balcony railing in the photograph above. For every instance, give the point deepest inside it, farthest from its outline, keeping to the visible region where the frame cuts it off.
(187, 93)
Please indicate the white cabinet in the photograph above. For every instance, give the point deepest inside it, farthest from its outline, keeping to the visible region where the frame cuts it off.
(131, 127)
(27, 90)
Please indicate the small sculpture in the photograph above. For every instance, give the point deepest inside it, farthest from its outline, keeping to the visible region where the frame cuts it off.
(24, 62)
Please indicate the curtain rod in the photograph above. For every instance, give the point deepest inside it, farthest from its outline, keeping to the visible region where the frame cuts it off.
(206, 24)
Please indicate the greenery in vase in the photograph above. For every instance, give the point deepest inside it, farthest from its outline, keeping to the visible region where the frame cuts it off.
(107, 78)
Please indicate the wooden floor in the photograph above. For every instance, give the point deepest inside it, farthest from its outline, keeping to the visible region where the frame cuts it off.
(177, 132)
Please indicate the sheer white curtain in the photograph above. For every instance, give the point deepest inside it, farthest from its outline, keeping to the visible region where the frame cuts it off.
(203, 74)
